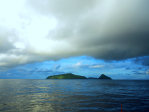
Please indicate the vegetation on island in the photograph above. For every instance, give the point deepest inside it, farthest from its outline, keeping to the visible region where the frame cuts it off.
(104, 77)
(72, 76)
(66, 76)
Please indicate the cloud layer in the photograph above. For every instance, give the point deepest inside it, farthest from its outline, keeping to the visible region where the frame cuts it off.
(35, 30)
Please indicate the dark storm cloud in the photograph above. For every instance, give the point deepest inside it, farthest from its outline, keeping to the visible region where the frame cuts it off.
(109, 30)
(103, 29)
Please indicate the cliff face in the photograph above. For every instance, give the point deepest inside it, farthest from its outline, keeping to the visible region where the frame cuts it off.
(66, 76)
(104, 77)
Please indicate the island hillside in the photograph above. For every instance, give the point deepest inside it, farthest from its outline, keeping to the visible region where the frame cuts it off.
(104, 77)
(66, 76)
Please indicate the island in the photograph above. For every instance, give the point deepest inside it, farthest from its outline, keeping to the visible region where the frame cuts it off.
(104, 77)
(66, 76)
(72, 76)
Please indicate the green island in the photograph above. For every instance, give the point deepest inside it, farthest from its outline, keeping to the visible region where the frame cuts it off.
(72, 76)
(66, 76)
(104, 77)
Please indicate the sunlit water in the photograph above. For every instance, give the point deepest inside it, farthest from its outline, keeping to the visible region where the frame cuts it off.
(85, 95)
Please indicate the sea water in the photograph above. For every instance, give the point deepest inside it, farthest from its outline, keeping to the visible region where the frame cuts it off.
(73, 95)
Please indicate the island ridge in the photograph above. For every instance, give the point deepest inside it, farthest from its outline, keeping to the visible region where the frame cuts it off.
(72, 76)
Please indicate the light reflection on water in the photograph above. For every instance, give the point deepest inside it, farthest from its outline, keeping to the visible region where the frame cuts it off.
(73, 95)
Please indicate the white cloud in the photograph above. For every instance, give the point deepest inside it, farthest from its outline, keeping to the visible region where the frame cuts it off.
(97, 66)
(78, 64)
(19, 45)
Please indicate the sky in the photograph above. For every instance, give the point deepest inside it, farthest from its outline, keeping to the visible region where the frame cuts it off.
(39, 38)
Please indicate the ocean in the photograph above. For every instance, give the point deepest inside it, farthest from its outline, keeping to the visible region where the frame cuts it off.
(73, 95)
